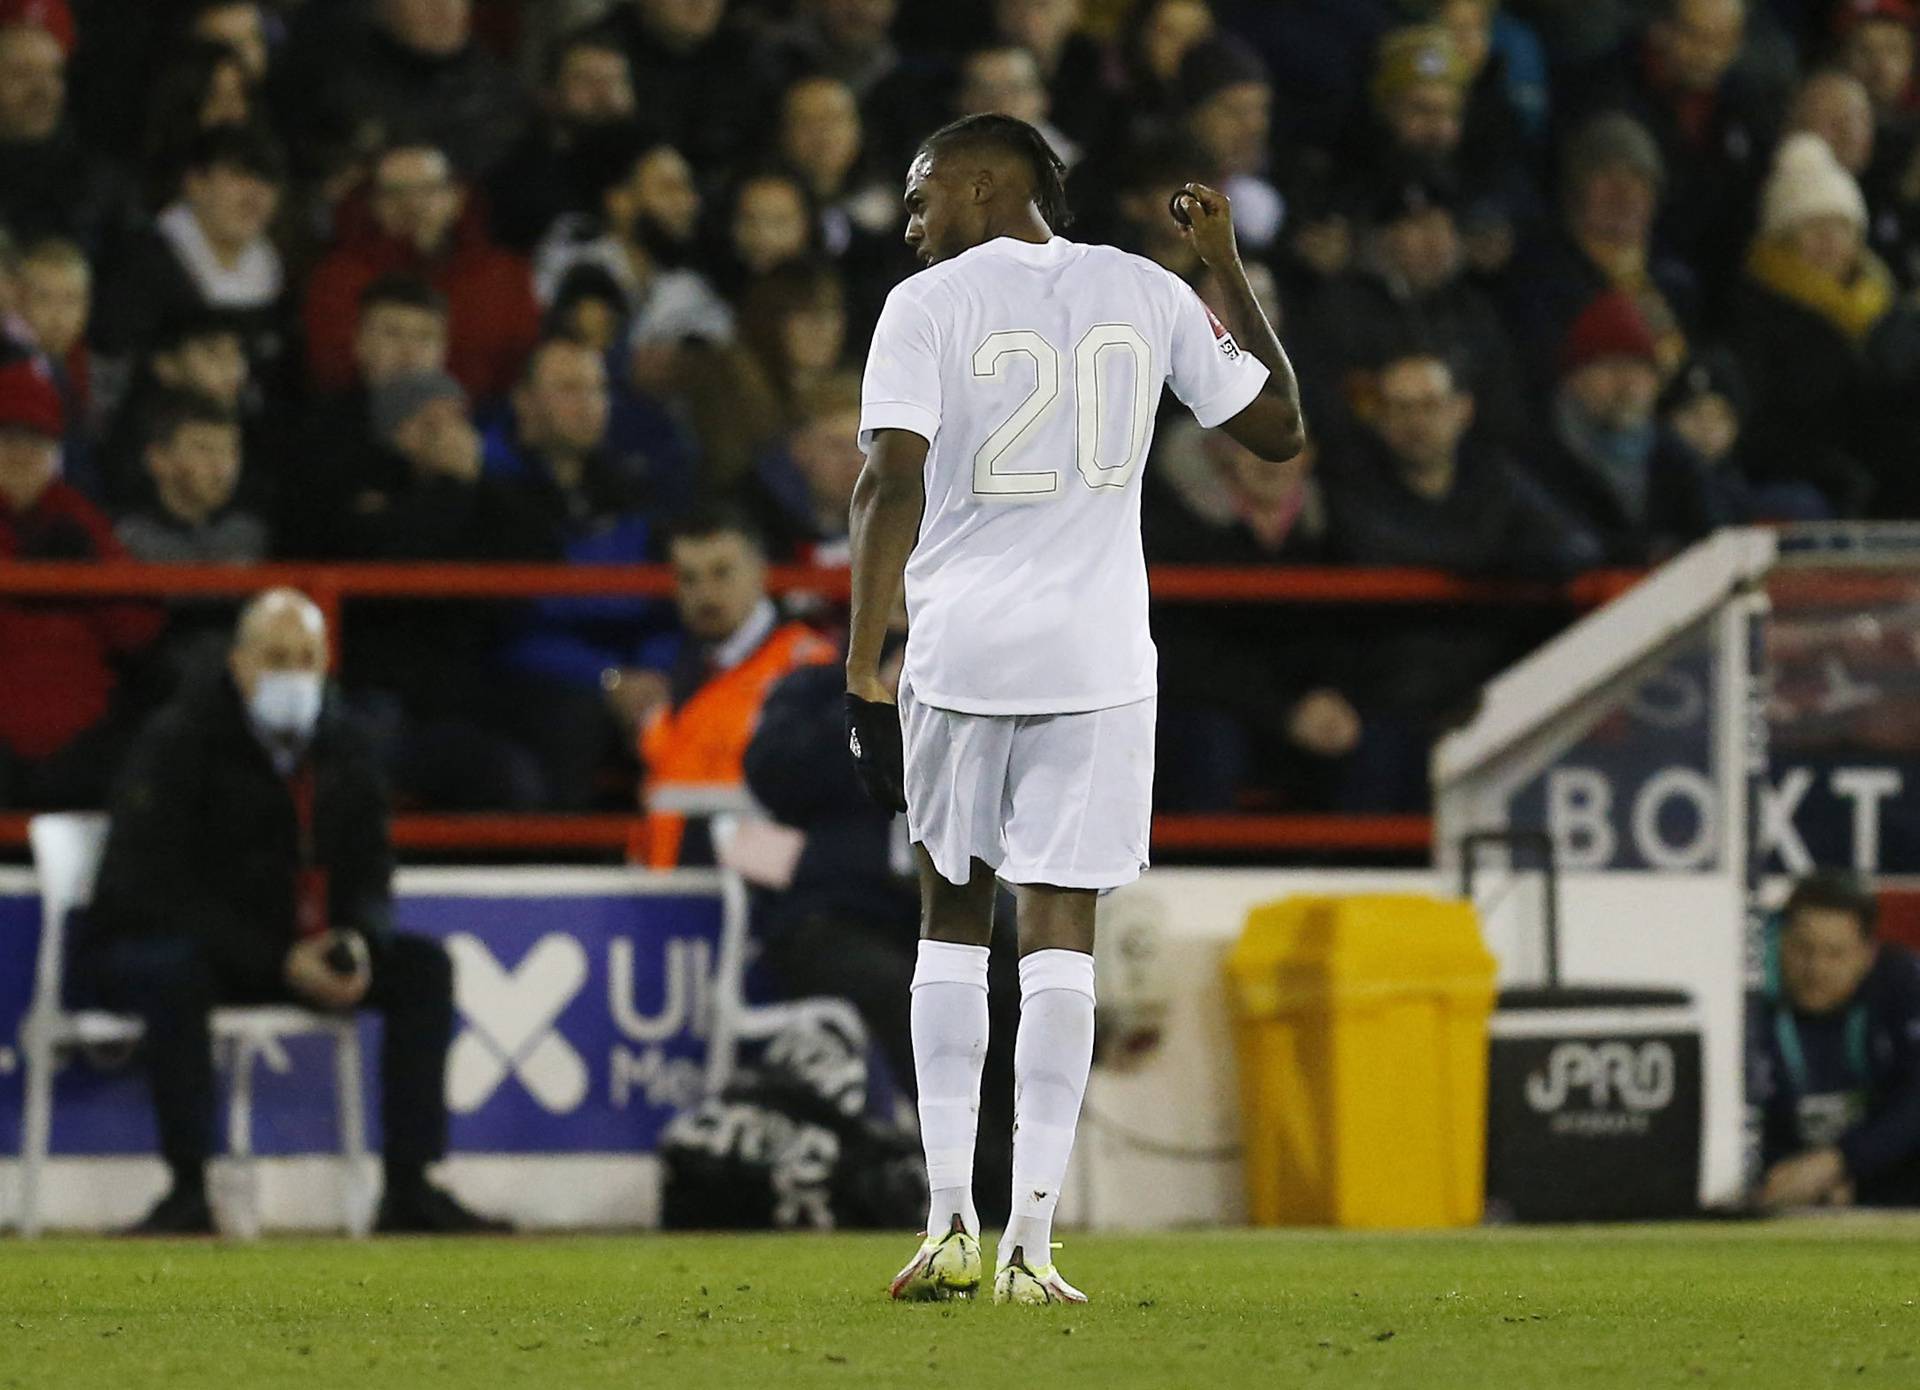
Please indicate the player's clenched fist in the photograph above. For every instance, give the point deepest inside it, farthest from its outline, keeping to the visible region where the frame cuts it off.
(1205, 216)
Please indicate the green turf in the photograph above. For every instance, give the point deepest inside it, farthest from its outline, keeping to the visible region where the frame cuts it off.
(1801, 1305)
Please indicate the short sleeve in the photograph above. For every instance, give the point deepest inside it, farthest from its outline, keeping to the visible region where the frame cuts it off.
(902, 386)
(1212, 374)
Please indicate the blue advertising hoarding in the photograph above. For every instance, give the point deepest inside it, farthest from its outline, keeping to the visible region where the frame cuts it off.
(584, 1005)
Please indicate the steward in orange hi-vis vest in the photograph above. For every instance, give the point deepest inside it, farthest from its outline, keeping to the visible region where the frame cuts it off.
(703, 737)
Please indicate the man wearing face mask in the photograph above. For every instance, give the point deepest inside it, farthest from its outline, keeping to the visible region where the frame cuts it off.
(248, 863)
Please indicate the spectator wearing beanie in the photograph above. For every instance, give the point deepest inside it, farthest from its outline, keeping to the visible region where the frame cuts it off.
(1418, 89)
(425, 673)
(1712, 123)
(1831, 355)
(1610, 465)
(1611, 182)
(62, 721)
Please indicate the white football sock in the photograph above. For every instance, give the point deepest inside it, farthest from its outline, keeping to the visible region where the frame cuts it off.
(1052, 1055)
(949, 1022)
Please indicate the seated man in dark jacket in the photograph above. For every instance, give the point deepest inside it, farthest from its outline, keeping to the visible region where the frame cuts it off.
(1422, 490)
(846, 922)
(1839, 1056)
(248, 863)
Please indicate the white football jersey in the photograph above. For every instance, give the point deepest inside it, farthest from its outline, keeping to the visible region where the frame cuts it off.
(1035, 372)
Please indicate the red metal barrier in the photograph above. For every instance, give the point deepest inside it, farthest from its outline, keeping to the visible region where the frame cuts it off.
(332, 586)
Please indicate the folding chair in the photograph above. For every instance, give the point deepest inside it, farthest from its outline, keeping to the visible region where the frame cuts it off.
(66, 856)
(734, 1021)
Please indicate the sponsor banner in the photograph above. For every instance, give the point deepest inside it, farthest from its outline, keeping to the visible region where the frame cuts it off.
(582, 1027)
(1638, 791)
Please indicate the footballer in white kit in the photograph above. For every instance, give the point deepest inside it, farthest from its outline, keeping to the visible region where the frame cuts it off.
(1007, 414)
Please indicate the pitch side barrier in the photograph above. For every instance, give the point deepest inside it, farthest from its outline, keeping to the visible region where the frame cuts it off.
(335, 587)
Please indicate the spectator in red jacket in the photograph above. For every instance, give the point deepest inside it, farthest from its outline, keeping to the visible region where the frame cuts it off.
(418, 219)
(61, 726)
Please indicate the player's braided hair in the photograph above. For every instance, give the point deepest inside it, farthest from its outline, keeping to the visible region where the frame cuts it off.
(1016, 137)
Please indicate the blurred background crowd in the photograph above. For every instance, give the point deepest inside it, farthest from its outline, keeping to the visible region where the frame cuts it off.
(1569, 283)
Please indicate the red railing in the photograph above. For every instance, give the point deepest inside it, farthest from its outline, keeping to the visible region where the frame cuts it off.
(333, 586)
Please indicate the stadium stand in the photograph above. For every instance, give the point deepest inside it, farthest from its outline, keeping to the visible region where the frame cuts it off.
(1567, 286)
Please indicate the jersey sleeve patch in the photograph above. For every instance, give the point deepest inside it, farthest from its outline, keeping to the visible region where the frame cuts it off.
(1229, 349)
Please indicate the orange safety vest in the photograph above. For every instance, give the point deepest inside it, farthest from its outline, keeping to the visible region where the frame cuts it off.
(705, 739)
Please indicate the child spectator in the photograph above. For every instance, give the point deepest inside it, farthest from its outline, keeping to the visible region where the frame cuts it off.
(199, 350)
(55, 301)
(194, 457)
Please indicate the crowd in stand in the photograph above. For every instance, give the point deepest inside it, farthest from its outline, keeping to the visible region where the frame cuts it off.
(1567, 284)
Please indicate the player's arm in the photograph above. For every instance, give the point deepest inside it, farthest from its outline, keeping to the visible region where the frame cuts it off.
(1273, 425)
(887, 503)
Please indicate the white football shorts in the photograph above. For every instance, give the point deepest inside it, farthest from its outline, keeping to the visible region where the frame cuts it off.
(1064, 800)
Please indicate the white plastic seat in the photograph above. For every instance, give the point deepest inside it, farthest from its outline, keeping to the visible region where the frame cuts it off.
(66, 856)
(734, 1021)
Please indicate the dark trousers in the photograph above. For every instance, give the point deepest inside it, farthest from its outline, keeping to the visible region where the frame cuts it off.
(872, 969)
(173, 987)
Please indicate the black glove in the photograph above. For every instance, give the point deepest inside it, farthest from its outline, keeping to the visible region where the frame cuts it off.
(873, 737)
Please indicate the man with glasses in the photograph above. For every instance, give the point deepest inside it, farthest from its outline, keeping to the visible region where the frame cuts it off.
(424, 224)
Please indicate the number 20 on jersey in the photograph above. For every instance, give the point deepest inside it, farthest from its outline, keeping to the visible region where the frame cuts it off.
(997, 474)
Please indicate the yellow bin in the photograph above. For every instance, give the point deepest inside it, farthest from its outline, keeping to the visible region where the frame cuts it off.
(1361, 1025)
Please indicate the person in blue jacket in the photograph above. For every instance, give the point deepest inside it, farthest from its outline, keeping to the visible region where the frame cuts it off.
(580, 659)
(1839, 1056)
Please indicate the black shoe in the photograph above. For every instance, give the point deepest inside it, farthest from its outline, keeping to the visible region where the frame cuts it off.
(182, 1212)
(423, 1209)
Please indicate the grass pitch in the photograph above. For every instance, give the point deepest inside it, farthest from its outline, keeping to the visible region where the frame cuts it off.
(1802, 1305)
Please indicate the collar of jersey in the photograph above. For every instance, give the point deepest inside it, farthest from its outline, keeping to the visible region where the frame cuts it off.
(1019, 250)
